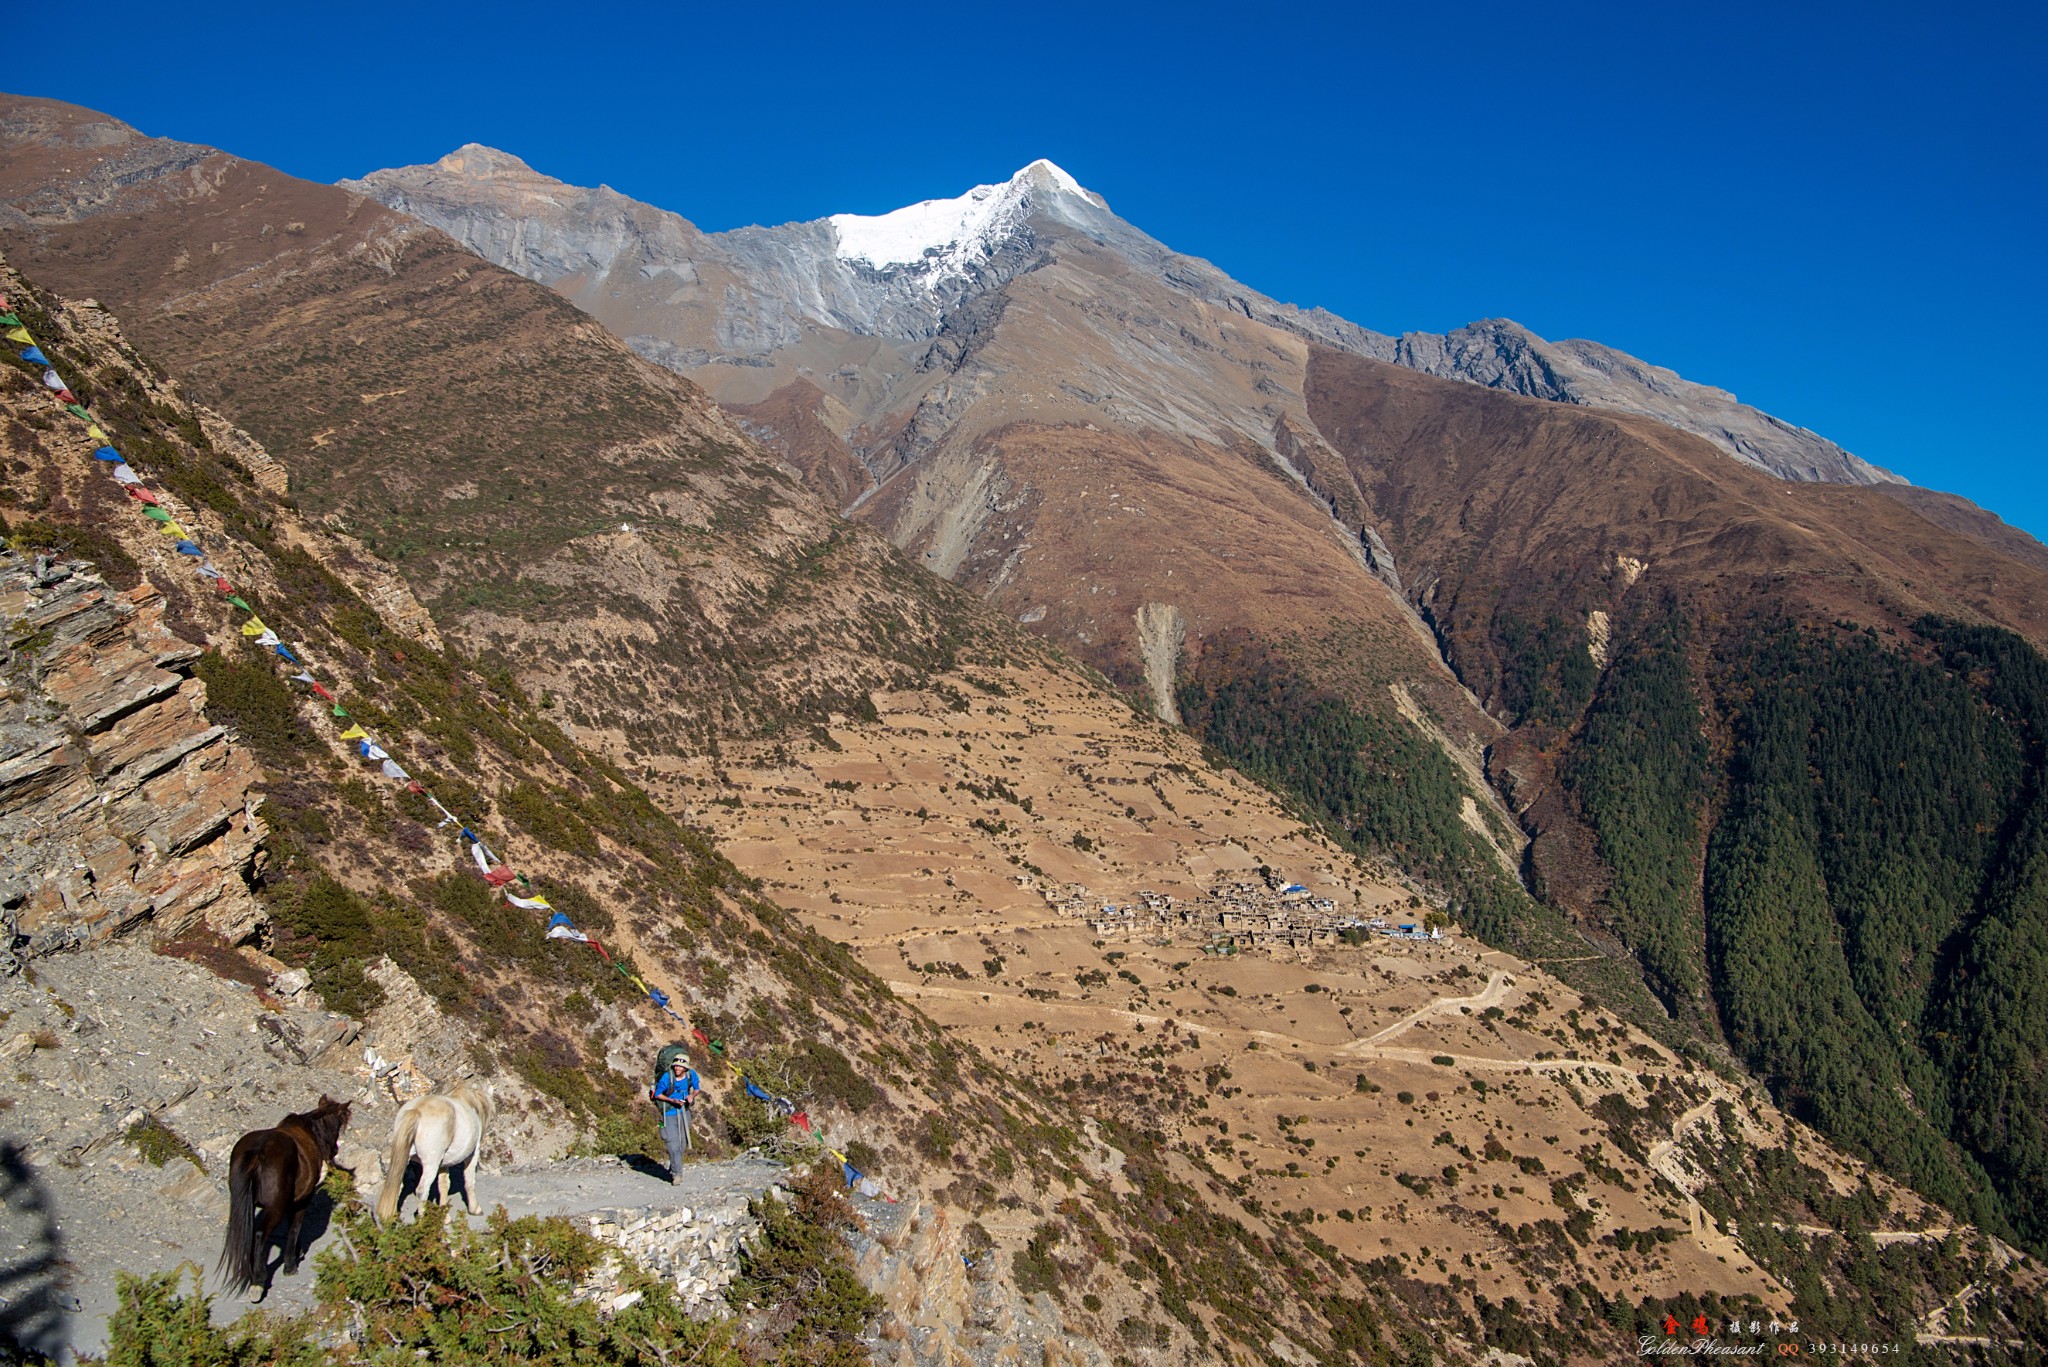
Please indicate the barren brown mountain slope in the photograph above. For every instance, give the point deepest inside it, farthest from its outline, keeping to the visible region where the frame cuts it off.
(1499, 504)
(1450, 1117)
(558, 502)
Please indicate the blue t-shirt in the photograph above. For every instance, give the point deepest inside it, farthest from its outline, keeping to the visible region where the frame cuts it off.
(677, 1088)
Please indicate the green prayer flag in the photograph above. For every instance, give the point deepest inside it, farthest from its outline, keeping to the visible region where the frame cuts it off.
(237, 601)
(8, 320)
(340, 711)
(77, 410)
(718, 1046)
(155, 514)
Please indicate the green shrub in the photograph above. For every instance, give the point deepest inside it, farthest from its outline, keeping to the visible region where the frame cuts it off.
(426, 1289)
(1034, 1267)
(750, 1123)
(157, 1325)
(798, 1276)
(252, 700)
(157, 1143)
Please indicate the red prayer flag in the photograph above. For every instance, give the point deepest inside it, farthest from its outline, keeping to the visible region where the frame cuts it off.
(141, 495)
(802, 1120)
(414, 787)
(224, 586)
(702, 1038)
(66, 396)
(499, 876)
(323, 692)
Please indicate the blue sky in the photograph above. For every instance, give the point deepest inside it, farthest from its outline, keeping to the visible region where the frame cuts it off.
(1839, 212)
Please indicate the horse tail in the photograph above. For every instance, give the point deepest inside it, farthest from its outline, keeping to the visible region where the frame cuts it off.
(237, 1268)
(394, 1167)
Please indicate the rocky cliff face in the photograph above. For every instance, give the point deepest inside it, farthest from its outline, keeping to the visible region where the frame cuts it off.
(121, 805)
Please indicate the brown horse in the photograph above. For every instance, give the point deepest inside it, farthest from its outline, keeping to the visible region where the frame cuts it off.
(278, 1170)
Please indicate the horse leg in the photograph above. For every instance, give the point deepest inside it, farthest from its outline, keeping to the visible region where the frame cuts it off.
(266, 1234)
(476, 1207)
(292, 1250)
(432, 1149)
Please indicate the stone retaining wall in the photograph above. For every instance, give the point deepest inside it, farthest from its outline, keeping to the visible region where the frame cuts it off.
(695, 1250)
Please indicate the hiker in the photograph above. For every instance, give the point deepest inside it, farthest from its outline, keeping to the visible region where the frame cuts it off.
(674, 1093)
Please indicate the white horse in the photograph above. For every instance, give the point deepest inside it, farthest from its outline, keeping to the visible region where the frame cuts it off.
(446, 1130)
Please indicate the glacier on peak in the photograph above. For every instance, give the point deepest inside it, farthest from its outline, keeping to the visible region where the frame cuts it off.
(946, 235)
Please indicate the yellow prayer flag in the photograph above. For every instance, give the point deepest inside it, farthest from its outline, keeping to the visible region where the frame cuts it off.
(354, 732)
(171, 528)
(254, 626)
(93, 431)
(20, 335)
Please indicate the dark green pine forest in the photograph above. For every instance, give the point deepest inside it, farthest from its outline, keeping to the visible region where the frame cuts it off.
(1829, 852)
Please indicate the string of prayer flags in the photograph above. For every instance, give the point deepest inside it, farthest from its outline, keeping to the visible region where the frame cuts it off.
(494, 872)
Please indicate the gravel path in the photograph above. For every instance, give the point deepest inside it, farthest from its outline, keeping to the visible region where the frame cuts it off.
(95, 1040)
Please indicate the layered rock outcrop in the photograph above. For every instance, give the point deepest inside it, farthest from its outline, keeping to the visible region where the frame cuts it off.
(121, 805)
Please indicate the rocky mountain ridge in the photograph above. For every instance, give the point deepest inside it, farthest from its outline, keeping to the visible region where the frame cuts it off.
(781, 284)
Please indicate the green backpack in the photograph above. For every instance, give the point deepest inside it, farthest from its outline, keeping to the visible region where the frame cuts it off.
(669, 1054)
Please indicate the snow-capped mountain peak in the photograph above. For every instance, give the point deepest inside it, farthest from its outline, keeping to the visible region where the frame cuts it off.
(944, 236)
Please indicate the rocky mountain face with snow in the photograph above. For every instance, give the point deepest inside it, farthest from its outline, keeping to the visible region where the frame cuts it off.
(695, 300)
